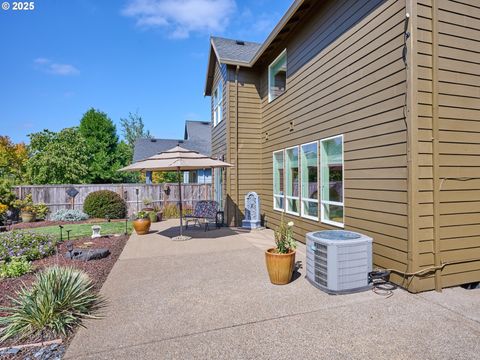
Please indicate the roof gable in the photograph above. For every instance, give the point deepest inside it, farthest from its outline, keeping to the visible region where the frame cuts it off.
(229, 52)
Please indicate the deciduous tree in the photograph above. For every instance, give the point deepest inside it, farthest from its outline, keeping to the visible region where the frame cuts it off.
(13, 159)
(133, 129)
(57, 158)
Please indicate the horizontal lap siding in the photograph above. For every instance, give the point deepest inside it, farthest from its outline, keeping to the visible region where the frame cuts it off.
(424, 200)
(459, 136)
(249, 139)
(219, 132)
(459, 124)
(346, 76)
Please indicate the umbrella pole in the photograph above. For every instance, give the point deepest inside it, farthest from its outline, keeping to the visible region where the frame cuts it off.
(180, 196)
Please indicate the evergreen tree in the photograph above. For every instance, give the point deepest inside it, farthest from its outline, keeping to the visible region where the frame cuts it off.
(101, 139)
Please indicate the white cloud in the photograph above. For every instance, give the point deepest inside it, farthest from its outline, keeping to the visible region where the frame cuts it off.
(182, 17)
(54, 68)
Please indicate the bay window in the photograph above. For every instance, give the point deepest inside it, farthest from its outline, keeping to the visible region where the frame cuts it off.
(331, 177)
(309, 178)
(292, 180)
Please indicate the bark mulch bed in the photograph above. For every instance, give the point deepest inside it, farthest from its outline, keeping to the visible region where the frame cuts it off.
(43, 223)
(98, 271)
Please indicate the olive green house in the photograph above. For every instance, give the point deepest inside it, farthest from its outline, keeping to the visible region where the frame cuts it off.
(362, 115)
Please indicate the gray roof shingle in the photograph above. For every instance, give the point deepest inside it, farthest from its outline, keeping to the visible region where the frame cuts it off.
(234, 50)
(197, 138)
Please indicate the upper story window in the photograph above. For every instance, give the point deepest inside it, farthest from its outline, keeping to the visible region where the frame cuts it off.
(217, 104)
(277, 76)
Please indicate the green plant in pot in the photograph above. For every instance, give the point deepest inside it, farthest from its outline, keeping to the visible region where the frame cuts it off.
(280, 260)
(147, 205)
(153, 216)
(30, 211)
(142, 223)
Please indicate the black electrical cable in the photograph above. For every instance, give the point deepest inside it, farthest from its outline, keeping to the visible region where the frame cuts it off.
(381, 285)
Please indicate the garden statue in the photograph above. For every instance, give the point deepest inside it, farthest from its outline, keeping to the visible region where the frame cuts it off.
(252, 211)
(96, 231)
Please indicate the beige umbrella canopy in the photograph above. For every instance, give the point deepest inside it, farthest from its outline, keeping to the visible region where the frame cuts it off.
(179, 159)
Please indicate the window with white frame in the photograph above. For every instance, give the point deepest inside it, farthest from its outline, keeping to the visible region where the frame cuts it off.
(309, 177)
(331, 178)
(218, 186)
(217, 104)
(278, 181)
(277, 76)
(292, 180)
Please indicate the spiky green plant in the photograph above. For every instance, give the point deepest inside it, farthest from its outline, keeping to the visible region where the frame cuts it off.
(59, 299)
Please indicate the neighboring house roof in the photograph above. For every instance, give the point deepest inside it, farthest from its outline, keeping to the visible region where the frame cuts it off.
(227, 51)
(197, 137)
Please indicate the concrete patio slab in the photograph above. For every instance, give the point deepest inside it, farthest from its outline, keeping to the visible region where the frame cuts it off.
(210, 298)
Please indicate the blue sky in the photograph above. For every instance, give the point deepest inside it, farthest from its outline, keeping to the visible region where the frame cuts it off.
(64, 57)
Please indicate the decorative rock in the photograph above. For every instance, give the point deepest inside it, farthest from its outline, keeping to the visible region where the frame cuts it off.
(252, 211)
(96, 231)
(39, 353)
(86, 255)
(12, 351)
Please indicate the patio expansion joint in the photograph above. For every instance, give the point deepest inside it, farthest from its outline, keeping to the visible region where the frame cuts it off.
(430, 301)
(184, 336)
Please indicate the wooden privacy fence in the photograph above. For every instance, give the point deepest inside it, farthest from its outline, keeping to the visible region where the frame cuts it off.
(56, 197)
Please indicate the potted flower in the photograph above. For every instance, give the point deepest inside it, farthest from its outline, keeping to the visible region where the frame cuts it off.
(141, 224)
(281, 259)
(147, 205)
(30, 211)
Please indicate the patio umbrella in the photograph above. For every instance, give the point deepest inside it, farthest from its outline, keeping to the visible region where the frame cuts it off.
(179, 159)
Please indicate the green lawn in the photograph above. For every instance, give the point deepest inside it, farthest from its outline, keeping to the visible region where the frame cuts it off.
(84, 230)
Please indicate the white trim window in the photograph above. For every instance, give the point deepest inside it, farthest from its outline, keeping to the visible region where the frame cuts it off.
(331, 177)
(278, 180)
(277, 76)
(217, 104)
(292, 181)
(218, 183)
(309, 176)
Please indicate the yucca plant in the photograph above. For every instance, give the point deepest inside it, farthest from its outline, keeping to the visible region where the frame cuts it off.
(59, 299)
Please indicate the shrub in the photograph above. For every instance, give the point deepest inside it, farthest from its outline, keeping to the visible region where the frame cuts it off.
(7, 195)
(17, 266)
(153, 216)
(170, 211)
(25, 243)
(59, 299)
(69, 215)
(103, 204)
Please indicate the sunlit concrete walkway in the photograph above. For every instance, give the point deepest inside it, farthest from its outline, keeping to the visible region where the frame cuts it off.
(210, 298)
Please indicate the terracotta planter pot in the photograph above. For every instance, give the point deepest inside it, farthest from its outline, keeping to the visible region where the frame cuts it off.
(27, 216)
(280, 266)
(141, 226)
